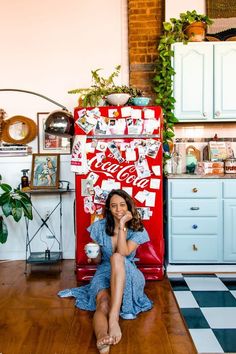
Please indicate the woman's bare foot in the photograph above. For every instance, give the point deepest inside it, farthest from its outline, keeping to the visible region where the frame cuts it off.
(103, 344)
(114, 331)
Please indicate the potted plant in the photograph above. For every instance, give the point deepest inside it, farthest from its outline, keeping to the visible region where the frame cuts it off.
(95, 95)
(13, 203)
(173, 31)
(104, 91)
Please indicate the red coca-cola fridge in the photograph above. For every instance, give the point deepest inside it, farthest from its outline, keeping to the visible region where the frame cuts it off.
(119, 147)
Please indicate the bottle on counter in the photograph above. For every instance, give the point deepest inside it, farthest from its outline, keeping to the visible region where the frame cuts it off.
(25, 179)
(191, 163)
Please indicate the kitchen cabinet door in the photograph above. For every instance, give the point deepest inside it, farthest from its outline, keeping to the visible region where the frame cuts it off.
(193, 81)
(204, 83)
(224, 81)
(193, 229)
(230, 230)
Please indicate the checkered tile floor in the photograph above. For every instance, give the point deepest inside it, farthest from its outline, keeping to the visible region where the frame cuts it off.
(208, 304)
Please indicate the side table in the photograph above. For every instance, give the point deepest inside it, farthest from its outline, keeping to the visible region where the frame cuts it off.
(45, 257)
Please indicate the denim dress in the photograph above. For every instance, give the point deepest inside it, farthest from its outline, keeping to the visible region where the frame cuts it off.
(134, 299)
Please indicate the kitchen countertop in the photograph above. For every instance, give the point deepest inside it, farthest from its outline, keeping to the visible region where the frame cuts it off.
(192, 176)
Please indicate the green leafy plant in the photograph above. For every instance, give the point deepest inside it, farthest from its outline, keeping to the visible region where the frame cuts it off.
(173, 31)
(13, 203)
(101, 87)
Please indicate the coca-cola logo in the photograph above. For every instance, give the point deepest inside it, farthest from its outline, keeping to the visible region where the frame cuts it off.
(118, 171)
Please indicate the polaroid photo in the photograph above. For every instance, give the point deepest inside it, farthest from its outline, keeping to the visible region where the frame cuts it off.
(126, 111)
(93, 177)
(113, 112)
(120, 126)
(115, 151)
(109, 184)
(155, 183)
(101, 126)
(111, 126)
(149, 113)
(142, 169)
(124, 146)
(130, 154)
(101, 197)
(135, 127)
(86, 187)
(144, 213)
(89, 148)
(100, 156)
(86, 123)
(101, 146)
(136, 113)
(128, 190)
(89, 206)
(153, 148)
(150, 199)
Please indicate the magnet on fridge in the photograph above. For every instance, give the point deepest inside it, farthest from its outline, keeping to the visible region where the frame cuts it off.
(89, 206)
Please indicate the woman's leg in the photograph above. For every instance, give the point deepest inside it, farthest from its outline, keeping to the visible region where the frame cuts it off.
(117, 290)
(100, 321)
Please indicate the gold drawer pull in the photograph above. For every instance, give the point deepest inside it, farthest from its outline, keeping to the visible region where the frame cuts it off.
(195, 248)
(195, 190)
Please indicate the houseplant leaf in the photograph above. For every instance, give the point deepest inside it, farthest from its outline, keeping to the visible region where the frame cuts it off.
(3, 231)
(16, 203)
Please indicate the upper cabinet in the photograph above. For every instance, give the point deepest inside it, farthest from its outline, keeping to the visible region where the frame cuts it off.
(204, 83)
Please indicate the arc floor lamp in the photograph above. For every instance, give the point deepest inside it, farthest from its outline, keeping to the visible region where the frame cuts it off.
(59, 122)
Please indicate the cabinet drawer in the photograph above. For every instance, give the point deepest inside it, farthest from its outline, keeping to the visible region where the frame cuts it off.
(194, 207)
(190, 249)
(229, 189)
(194, 226)
(194, 189)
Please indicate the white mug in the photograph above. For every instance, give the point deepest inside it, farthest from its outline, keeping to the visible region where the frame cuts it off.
(92, 250)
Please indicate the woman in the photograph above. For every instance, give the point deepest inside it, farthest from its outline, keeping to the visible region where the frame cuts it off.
(117, 288)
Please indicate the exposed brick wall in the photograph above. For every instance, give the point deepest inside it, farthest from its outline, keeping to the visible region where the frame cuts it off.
(144, 28)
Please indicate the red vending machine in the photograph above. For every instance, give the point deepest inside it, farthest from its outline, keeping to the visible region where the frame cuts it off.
(119, 147)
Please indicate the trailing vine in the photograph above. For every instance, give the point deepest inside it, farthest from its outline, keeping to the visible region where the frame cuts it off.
(173, 31)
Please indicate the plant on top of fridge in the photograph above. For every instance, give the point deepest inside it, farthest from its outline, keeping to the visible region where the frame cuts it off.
(101, 87)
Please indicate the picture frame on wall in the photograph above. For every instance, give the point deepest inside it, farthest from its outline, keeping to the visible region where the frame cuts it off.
(45, 171)
(48, 143)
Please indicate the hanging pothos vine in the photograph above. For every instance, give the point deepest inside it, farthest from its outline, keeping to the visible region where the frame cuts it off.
(173, 31)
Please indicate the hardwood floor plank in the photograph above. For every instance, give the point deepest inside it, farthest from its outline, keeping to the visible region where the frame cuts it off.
(34, 320)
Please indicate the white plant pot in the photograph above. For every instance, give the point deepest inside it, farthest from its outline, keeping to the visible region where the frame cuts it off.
(118, 99)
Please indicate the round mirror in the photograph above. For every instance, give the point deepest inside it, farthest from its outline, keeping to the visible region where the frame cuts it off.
(19, 130)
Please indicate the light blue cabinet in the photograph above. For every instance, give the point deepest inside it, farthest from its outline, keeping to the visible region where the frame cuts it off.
(204, 81)
(201, 220)
(229, 195)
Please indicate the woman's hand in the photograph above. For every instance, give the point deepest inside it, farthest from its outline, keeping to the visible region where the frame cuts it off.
(125, 218)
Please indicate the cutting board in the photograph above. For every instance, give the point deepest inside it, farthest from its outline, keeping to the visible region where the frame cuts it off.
(194, 151)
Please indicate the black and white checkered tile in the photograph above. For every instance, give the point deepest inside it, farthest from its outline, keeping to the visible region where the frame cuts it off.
(208, 304)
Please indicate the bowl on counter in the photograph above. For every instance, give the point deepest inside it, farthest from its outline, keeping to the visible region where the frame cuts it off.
(140, 101)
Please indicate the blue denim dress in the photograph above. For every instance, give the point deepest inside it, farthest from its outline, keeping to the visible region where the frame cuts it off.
(134, 299)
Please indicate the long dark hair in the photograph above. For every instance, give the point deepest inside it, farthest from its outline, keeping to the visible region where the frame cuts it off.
(134, 224)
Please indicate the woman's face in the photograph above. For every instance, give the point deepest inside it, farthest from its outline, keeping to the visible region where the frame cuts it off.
(118, 207)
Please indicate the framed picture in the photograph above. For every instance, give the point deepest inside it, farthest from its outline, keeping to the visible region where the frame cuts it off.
(48, 143)
(45, 171)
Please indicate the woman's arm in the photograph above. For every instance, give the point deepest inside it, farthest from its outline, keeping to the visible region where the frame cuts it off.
(124, 247)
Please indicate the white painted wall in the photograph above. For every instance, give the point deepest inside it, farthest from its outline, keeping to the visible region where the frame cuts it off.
(175, 7)
(50, 47)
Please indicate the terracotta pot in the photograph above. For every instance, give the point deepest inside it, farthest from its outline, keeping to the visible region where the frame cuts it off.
(196, 32)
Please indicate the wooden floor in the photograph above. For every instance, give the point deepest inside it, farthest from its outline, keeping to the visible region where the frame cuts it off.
(33, 320)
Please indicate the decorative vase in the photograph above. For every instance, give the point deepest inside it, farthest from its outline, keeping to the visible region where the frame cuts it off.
(196, 31)
(118, 99)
